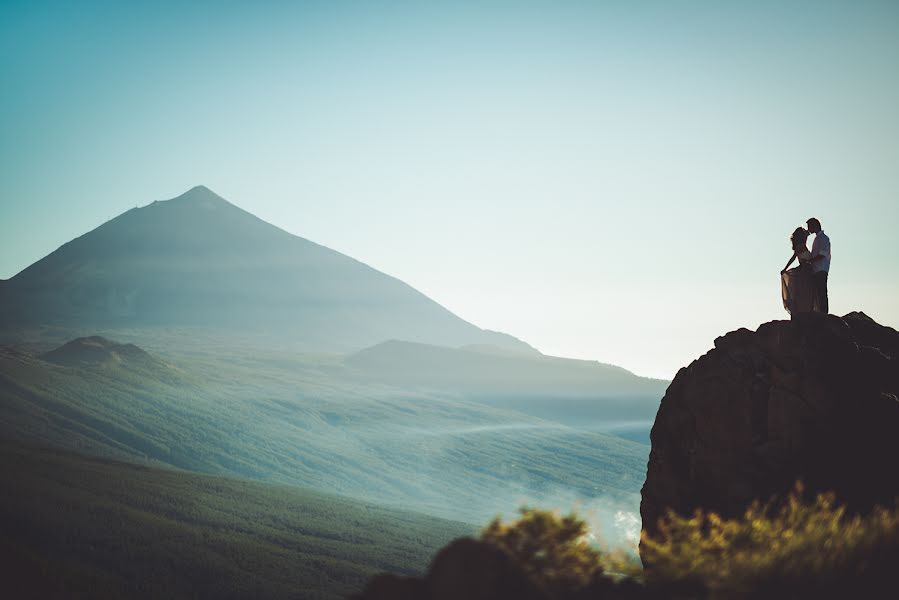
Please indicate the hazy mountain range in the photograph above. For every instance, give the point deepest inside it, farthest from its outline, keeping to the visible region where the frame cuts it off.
(198, 275)
(190, 335)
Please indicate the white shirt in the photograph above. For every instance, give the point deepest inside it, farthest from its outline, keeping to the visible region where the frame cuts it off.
(821, 247)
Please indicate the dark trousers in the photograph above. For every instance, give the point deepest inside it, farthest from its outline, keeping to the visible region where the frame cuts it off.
(820, 279)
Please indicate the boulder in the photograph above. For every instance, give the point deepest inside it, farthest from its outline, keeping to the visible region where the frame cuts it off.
(475, 570)
(466, 569)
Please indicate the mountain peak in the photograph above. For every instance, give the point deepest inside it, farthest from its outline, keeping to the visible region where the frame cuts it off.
(199, 195)
(198, 260)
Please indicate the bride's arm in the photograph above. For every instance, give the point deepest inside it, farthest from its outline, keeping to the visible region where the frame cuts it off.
(790, 262)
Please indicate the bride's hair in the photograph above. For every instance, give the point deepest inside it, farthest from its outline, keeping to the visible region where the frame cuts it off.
(800, 235)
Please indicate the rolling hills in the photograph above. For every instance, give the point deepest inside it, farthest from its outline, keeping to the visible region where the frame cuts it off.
(77, 526)
(294, 421)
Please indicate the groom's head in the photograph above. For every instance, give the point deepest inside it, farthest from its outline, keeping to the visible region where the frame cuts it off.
(814, 225)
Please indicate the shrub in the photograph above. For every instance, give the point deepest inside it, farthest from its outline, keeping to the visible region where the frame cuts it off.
(802, 549)
(799, 549)
(554, 550)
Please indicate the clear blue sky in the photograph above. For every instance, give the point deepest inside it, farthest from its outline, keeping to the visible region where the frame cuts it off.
(606, 180)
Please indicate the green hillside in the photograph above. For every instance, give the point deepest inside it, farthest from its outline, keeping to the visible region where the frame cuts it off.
(297, 420)
(77, 526)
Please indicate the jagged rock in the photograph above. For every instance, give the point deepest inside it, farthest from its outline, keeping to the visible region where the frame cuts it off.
(812, 399)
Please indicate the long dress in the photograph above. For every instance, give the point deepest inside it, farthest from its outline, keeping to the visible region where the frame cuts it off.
(797, 287)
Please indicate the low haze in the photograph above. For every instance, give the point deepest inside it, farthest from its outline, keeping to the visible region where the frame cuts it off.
(612, 181)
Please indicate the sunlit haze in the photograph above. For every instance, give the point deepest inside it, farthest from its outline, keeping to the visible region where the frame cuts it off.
(614, 181)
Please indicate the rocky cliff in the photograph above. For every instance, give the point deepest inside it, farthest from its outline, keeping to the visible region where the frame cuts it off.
(812, 399)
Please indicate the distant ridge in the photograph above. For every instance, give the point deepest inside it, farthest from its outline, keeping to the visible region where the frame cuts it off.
(485, 364)
(199, 261)
(575, 392)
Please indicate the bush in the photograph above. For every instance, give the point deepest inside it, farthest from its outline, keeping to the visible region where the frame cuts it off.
(802, 549)
(554, 550)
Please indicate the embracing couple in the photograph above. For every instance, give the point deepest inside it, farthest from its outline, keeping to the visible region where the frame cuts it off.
(804, 288)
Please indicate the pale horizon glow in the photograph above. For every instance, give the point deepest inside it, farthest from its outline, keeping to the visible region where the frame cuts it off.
(607, 181)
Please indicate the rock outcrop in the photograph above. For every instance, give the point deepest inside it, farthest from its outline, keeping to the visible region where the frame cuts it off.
(812, 399)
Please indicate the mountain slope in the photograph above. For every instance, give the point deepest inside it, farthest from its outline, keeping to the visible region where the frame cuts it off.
(199, 261)
(74, 526)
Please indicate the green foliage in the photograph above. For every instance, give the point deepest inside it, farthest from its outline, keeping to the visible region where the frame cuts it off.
(801, 549)
(775, 552)
(554, 549)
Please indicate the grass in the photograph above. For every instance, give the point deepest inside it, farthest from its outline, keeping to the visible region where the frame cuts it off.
(76, 526)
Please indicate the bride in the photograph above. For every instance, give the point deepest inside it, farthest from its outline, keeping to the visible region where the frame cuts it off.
(796, 285)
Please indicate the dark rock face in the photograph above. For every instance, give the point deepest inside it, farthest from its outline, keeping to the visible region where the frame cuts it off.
(814, 399)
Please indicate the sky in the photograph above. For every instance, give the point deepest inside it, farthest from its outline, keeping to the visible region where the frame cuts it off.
(615, 181)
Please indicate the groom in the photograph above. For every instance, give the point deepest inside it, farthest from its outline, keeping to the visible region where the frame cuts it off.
(820, 261)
